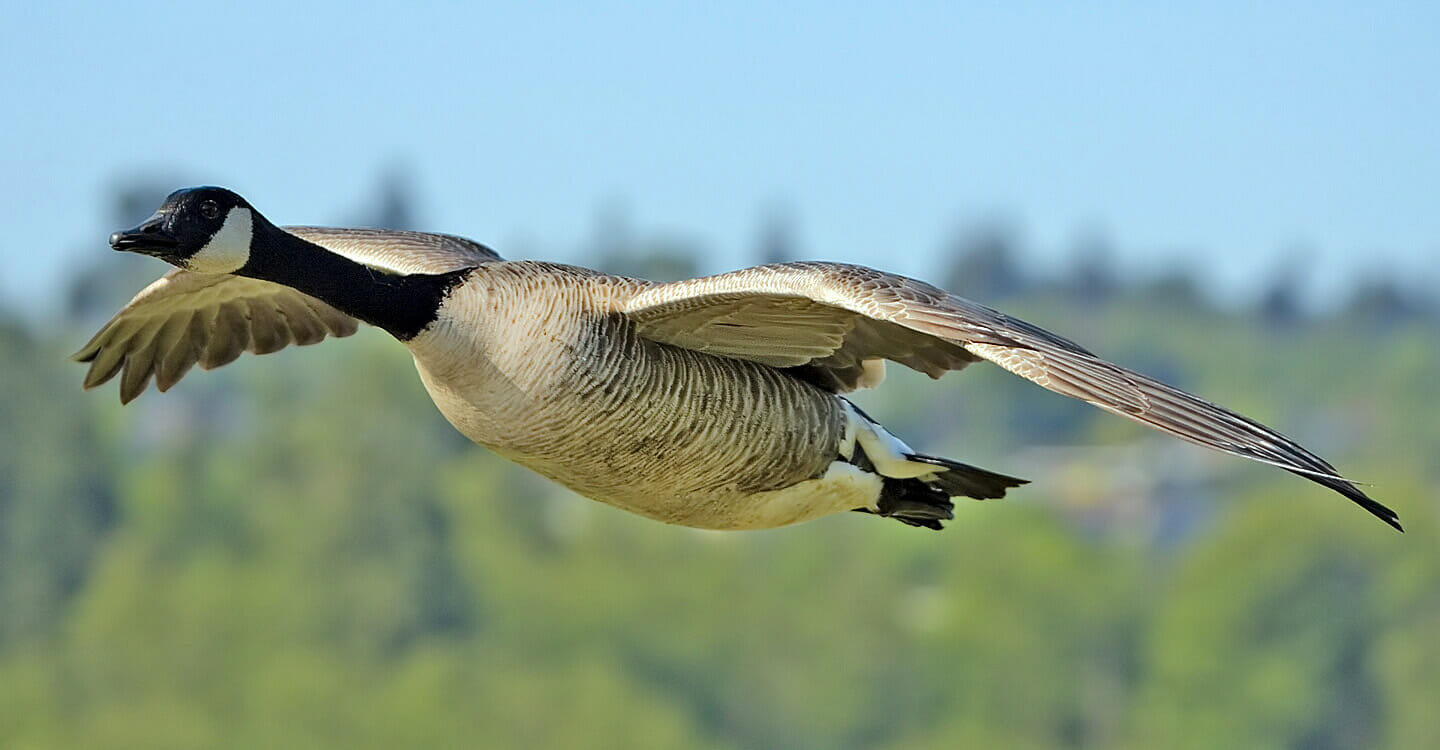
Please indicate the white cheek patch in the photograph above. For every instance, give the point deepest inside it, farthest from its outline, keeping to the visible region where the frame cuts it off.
(229, 249)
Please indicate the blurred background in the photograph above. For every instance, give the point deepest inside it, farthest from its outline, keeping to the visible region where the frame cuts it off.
(1239, 200)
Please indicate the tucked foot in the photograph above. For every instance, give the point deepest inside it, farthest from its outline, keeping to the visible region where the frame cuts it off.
(916, 489)
(913, 502)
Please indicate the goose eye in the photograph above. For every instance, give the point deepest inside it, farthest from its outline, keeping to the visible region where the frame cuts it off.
(209, 209)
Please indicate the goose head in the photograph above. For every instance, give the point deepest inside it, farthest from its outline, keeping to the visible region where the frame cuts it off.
(205, 229)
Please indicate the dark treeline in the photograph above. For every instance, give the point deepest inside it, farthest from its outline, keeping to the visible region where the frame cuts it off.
(296, 550)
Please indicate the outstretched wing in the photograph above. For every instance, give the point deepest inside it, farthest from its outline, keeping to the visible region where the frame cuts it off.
(833, 320)
(187, 318)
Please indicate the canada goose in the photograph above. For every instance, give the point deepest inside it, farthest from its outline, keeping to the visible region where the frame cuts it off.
(712, 402)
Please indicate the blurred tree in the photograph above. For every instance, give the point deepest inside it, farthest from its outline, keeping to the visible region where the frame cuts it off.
(777, 241)
(1262, 641)
(56, 500)
(1281, 304)
(1406, 653)
(617, 250)
(297, 550)
(983, 264)
(108, 278)
(394, 204)
(132, 201)
(1092, 280)
(1381, 303)
(657, 260)
(1176, 290)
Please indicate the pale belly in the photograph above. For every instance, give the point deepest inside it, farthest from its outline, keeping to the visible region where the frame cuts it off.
(843, 487)
(670, 434)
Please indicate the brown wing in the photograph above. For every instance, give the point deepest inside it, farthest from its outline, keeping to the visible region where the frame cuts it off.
(833, 317)
(185, 318)
(397, 250)
(824, 318)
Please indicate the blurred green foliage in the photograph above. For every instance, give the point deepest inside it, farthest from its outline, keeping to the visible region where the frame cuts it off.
(297, 551)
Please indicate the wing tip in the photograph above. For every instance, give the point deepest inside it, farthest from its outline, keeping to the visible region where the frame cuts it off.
(1356, 495)
(1388, 516)
(1383, 513)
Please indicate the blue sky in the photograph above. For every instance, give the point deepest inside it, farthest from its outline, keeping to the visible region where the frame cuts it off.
(1217, 136)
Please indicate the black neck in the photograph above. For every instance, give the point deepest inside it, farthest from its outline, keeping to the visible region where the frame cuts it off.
(403, 305)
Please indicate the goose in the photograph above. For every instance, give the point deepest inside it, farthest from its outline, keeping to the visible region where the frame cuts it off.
(714, 402)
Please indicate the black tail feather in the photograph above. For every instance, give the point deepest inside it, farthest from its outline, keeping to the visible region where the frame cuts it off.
(963, 480)
(926, 502)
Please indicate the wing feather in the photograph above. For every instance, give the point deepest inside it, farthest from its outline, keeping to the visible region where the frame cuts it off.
(188, 318)
(175, 352)
(918, 325)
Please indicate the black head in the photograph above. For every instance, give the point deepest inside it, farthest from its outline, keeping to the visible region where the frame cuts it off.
(205, 229)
